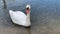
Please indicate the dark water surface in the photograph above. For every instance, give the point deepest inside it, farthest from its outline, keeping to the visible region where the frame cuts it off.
(45, 17)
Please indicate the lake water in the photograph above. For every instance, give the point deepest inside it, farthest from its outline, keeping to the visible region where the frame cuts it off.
(45, 17)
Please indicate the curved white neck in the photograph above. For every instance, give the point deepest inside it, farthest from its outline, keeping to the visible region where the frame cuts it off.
(28, 15)
(28, 19)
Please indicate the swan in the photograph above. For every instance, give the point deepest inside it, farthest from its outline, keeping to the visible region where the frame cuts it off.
(20, 18)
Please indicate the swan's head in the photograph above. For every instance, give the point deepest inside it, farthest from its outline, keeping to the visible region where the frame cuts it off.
(28, 6)
(28, 9)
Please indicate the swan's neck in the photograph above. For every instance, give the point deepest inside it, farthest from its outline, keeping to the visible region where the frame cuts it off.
(28, 19)
(28, 15)
(28, 12)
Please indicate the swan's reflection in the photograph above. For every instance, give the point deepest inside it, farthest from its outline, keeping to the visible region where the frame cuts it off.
(28, 30)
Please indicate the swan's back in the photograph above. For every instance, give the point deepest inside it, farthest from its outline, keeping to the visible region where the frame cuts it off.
(17, 17)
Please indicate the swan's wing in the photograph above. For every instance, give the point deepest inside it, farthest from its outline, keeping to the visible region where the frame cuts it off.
(18, 17)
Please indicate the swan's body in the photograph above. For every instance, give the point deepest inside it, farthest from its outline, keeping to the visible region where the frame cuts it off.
(18, 17)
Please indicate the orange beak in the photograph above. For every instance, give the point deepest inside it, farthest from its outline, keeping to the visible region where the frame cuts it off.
(27, 10)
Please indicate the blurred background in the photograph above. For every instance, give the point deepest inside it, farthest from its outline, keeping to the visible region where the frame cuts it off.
(45, 16)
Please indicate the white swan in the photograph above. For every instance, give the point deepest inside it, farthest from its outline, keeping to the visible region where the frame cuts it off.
(18, 17)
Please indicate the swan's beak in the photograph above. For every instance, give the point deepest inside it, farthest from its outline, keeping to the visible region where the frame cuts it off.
(28, 9)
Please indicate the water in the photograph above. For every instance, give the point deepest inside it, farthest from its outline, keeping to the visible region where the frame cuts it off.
(45, 17)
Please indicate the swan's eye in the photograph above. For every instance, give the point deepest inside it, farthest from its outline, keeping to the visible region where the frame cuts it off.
(27, 8)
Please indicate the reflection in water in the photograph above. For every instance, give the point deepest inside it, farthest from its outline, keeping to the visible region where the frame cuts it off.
(4, 3)
(28, 30)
